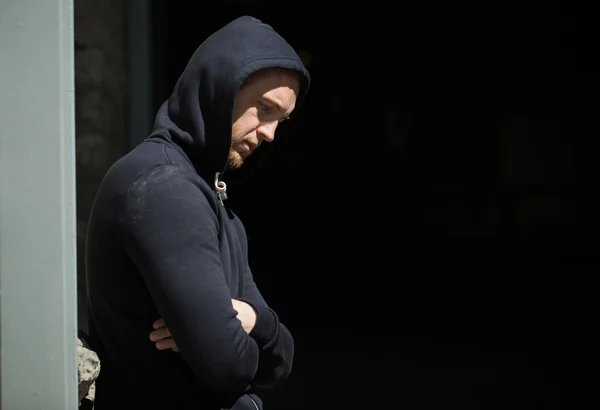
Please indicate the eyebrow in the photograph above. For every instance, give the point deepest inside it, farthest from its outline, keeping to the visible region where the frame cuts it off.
(278, 106)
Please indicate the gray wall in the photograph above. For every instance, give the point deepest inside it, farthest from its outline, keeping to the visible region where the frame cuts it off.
(37, 206)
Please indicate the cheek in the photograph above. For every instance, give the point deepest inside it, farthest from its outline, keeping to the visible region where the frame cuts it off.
(245, 124)
(237, 129)
(238, 112)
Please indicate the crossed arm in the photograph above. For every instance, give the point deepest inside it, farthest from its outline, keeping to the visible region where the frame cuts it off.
(164, 339)
(275, 342)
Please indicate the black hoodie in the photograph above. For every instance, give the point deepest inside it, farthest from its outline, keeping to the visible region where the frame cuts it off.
(161, 243)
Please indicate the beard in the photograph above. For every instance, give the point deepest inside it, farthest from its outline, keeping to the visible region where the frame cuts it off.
(234, 160)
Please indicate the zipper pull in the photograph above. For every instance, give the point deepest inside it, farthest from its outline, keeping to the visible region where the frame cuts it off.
(220, 188)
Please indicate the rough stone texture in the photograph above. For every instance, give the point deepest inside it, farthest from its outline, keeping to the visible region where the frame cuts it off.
(100, 80)
(88, 369)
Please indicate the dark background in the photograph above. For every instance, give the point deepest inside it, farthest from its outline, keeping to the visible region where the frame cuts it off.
(427, 227)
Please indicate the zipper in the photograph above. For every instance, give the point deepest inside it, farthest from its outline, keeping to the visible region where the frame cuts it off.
(220, 188)
(253, 402)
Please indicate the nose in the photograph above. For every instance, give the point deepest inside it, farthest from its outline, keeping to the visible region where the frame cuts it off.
(266, 131)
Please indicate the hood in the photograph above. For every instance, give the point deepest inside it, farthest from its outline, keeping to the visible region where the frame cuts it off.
(198, 115)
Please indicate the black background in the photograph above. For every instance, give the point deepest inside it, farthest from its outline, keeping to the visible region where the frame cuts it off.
(427, 227)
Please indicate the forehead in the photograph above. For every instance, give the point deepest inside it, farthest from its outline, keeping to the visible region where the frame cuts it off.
(267, 80)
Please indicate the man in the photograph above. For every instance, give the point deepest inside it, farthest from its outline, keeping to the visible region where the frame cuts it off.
(163, 249)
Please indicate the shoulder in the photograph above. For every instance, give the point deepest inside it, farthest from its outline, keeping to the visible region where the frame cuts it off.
(171, 188)
(168, 177)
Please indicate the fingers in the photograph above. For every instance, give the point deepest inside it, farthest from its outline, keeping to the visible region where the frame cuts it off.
(163, 338)
(159, 323)
(167, 344)
(162, 333)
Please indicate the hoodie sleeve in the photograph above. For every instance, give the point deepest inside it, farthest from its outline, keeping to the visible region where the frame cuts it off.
(274, 340)
(170, 231)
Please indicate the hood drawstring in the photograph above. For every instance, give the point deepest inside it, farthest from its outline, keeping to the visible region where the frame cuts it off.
(220, 188)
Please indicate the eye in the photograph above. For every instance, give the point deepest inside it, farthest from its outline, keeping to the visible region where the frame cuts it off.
(263, 107)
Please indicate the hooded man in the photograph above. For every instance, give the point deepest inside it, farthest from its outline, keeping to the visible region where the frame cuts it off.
(163, 249)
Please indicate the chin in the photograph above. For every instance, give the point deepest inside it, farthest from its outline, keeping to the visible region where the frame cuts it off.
(235, 161)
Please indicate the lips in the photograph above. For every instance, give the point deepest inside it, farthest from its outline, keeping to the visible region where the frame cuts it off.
(250, 146)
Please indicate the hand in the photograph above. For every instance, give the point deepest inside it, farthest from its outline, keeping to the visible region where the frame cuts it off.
(162, 337)
(246, 314)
